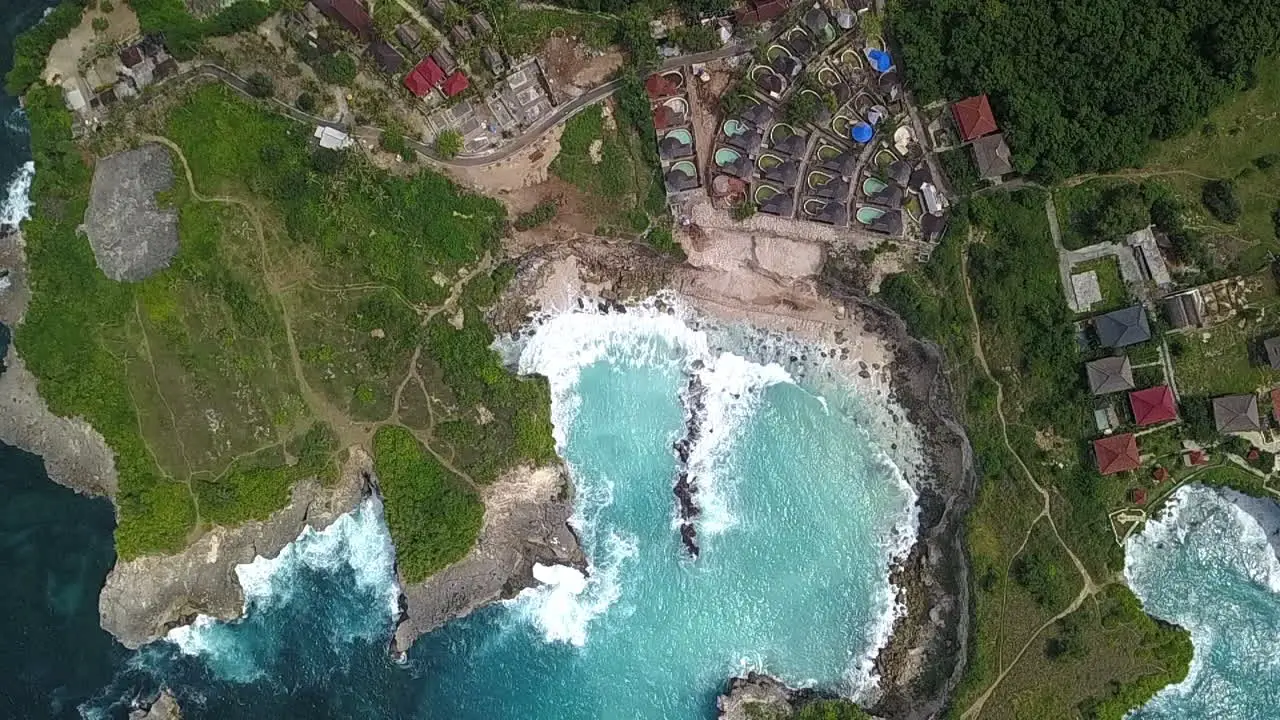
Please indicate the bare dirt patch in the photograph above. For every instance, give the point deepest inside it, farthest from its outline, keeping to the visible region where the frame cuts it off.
(572, 69)
(502, 179)
(132, 237)
(67, 53)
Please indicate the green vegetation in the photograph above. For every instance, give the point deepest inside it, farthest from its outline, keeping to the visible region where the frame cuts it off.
(1219, 196)
(1114, 294)
(960, 170)
(1242, 151)
(541, 214)
(100, 24)
(1022, 575)
(191, 374)
(392, 140)
(183, 32)
(337, 69)
(476, 379)
(801, 109)
(434, 518)
(612, 167)
(31, 48)
(696, 38)
(523, 30)
(1055, 71)
(261, 85)
(63, 335)
(448, 144)
(743, 210)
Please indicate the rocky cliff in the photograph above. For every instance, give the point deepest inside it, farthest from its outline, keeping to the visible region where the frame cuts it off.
(144, 598)
(525, 522)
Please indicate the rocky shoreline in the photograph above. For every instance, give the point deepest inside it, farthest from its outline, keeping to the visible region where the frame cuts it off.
(526, 521)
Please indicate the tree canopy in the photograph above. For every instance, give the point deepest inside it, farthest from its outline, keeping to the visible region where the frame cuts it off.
(1082, 85)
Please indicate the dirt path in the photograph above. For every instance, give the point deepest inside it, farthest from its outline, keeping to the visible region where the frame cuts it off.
(349, 431)
(1089, 587)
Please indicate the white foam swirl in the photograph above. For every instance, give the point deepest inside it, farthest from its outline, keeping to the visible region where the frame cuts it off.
(17, 202)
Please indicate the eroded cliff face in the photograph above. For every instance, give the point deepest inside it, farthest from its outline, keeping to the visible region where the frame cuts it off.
(144, 598)
(526, 521)
(75, 455)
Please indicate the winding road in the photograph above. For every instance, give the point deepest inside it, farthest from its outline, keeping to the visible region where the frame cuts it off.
(561, 114)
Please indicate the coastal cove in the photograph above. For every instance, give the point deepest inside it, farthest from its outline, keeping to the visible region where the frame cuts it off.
(596, 360)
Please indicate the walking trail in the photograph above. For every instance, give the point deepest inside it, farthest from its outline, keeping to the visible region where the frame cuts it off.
(1089, 587)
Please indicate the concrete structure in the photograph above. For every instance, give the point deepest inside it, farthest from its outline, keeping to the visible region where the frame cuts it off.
(332, 138)
(1151, 261)
(1184, 310)
(1088, 292)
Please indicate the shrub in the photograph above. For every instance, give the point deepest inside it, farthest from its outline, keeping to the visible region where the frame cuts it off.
(1219, 197)
(541, 214)
(306, 102)
(696, 38)
(1266, 162)
(100, 24)
(337, 69)
(449, 144)
(1123, 210)
(743, 210)
(433, 517)
(107, 6)
(260, 85)
(802, 108)
(327, 161)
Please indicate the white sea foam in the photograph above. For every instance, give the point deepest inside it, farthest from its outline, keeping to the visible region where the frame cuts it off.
(17, 202)
(567, 601)
(1222, 538)
(733, 387)
(659, 331)
(357, 540)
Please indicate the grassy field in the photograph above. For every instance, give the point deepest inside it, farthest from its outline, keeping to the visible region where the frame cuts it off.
(1229, 358)
(1107, 656)
(605, 160)
(290, 325)
(1232, 145)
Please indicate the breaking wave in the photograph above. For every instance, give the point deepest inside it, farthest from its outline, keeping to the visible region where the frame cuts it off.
(357, 543)
(16, 205)
(1208, 564)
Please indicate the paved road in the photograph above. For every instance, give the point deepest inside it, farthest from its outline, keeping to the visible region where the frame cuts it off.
(561, 114)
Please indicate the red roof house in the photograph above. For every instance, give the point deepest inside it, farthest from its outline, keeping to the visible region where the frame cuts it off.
(974, 117)
(1138, 496)
(1197, 457)
(1275, 404)
(424, 77)
(1117, 453)
(1160, 474)
(659, 86)
(456, 83)
(1153, 405)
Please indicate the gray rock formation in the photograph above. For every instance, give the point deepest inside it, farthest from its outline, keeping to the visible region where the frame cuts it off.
(164, 707)
(754, 696)
(146, 597)
(525, 522)
(131, 235)
(75, 455)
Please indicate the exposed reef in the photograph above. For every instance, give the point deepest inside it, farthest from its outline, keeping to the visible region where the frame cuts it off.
(686, 487)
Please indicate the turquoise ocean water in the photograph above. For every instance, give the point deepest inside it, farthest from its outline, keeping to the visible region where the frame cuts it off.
(801, 510)
(1211, 567)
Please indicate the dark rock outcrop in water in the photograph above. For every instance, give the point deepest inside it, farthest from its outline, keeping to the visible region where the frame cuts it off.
(164, 707)
(686, 487)
(760, 696)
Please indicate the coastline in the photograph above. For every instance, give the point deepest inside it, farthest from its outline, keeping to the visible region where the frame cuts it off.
(925, 652)
(75, 455)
